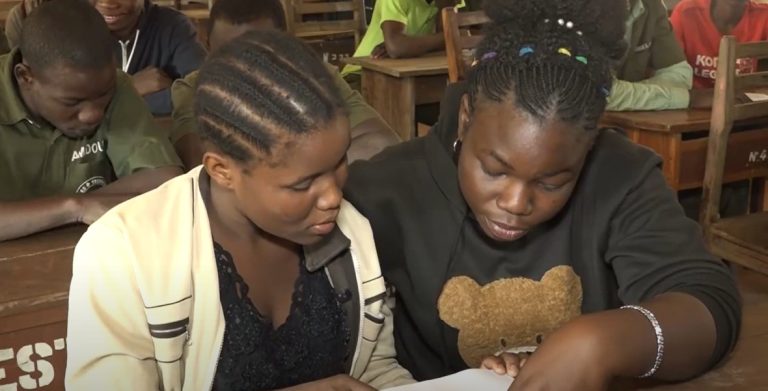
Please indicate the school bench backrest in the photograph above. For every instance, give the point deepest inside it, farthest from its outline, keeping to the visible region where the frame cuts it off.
(742, 239)
(463, 32)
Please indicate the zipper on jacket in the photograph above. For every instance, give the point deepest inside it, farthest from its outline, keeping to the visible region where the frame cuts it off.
(356, 356)
(124, 49)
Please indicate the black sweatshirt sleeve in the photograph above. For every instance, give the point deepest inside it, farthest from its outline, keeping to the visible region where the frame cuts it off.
(654, 248)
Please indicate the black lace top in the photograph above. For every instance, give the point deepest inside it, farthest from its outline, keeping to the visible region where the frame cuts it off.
(310, 345)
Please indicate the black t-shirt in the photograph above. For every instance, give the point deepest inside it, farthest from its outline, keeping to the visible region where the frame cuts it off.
(622, 238)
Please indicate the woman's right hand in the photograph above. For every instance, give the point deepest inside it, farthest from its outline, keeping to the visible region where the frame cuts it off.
(333, 383)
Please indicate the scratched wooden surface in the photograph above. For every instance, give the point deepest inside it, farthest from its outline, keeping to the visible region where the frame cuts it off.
(34, 284)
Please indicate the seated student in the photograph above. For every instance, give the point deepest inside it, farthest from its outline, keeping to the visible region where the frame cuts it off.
(229, 19)
(275, 278)
(155, 45)
(75, 138)
(700, 24)
(653, 51)
(400, 29)
(564, 224)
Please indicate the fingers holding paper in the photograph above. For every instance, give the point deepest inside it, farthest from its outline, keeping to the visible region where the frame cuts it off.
(505, 363)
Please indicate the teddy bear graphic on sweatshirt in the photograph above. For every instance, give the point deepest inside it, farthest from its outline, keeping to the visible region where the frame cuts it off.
(509, 314)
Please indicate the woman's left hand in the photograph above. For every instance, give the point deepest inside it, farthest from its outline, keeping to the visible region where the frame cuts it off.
(504, 363)
(572, 358)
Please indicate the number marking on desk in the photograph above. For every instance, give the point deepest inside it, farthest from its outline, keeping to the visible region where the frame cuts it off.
(758, 156)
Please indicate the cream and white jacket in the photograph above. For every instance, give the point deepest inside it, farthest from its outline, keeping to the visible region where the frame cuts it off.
(144, 309)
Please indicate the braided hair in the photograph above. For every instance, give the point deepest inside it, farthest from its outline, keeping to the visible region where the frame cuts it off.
(259, 90)
(553, 57)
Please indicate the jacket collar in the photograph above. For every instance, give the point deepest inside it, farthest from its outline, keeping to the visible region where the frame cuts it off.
(326, 250)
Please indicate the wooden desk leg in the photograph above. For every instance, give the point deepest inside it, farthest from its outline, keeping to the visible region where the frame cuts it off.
(394, 98)
(667, 145)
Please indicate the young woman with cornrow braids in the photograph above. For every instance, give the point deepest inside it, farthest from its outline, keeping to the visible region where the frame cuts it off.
(518, 226)
(250, 272)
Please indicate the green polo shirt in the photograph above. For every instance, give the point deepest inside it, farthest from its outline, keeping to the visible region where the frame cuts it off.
(37, 160)
(418, 16)
(183, 91)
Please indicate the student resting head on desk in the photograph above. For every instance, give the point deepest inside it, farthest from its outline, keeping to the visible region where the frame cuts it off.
(653, 73)
(250, 272)
(517, 224)
(401, 29)
(155, 45)
(700, 24)
(75, 138)
(229, 19)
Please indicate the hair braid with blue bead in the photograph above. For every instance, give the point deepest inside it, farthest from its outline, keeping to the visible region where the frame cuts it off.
(554, 57)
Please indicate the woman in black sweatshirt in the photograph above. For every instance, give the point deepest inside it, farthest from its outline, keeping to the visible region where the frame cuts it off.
(517, 225)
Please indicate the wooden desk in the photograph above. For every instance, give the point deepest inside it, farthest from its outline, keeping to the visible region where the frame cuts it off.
(673, 135)
(395, 86)
(34, 284)
(747, 368)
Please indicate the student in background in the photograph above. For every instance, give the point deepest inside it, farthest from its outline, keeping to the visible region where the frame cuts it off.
(155, 45)
(517, 206)
(229, 19)
(699, 25)
(653, 75)
(400, 29)
(275, 278)
(75, 138)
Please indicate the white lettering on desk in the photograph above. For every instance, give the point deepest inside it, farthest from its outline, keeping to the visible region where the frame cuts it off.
(88, 149)
(39, 373)
(758, 156)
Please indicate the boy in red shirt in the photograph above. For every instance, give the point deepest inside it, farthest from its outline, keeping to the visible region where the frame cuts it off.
(699, 25)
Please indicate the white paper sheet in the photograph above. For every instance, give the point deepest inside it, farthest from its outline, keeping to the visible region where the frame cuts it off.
(467, 380)
(756, 96)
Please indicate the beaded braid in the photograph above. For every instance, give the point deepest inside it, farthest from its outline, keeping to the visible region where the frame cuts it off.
(553, 56)
(259, 90)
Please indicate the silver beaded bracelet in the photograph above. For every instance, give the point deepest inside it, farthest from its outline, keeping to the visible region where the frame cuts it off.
(659, 338)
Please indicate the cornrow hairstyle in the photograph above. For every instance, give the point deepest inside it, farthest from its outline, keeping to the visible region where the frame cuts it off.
(554, 57)
(259, 90)
(66, 31)
(239, 12)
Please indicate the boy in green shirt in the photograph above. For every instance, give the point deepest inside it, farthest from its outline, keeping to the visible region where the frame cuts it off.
(654, 74)
(75, 137)
(401, 29)
(228, 20)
